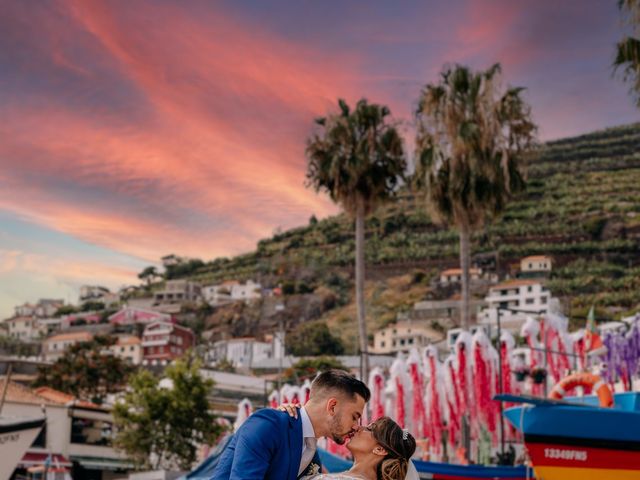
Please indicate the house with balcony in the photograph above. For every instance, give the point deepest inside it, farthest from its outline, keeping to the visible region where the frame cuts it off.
(76, 438)
(54, 347)
(163, 342)
(523, 295)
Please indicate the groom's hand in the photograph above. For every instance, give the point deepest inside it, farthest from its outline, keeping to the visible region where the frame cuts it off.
(290, 408)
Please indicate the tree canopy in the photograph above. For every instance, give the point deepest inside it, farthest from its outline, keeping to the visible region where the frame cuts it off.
(313, 339)
(87, 370)
(162, 426)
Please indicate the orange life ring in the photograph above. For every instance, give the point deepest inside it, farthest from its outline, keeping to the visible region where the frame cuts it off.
(584, 379)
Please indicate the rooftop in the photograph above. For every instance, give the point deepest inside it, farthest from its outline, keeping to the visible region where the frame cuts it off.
(536, 258)
(458, 271)
(77, 336)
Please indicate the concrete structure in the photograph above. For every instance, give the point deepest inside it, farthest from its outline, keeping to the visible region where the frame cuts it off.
(128, 348)
(241, 352)
(163, 342)
(178, 291)
(536, 264)
(55, 346)
(526, 295)
(402, 337)
(75, 431)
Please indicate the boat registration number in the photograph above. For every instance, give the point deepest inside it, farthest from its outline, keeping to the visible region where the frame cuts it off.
(565, 454)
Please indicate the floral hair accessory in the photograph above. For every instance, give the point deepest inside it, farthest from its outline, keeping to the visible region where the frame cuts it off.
(405, 434)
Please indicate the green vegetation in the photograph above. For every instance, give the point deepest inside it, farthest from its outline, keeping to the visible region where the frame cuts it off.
(162, 427)
(85, 372)
(582, 202)
(313, 339)
(308, 368)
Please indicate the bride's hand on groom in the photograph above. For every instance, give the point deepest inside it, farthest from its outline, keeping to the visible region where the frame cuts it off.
(290, 408)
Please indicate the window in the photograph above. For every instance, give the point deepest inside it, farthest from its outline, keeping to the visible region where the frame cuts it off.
(531, 265)
(131, 348)
(529, 301)
(90, 432)
(529, 289)
(394, 343)
(402, 342)
(382, 344)
(410, 341)
(543, 299)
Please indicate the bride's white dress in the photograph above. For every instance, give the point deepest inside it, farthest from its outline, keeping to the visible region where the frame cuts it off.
(338, 476)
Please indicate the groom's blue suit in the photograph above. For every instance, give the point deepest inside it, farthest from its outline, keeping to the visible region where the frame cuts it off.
(268, 445)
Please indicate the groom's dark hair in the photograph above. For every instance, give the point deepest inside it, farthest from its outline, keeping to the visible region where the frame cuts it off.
(341, 381)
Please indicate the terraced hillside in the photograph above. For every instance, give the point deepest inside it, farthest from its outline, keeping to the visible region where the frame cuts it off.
(582, 206)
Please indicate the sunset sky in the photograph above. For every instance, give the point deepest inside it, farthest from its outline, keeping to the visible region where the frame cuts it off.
(134, 129)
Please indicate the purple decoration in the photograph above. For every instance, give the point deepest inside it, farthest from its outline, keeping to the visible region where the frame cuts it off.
(623, 353)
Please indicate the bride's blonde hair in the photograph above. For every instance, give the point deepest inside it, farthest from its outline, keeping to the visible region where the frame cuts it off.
(399, 445)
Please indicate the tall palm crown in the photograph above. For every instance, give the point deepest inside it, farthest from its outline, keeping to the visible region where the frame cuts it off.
(628, 49)
(357, 157)
(469, 142)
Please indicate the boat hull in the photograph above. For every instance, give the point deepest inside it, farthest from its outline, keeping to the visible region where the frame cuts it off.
(565, 461)
(568, 441)
(15, 438)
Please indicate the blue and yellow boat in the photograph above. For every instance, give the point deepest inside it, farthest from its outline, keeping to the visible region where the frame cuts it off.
(577, 438)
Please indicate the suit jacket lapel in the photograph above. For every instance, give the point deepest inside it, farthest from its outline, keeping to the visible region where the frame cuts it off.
(295, 446)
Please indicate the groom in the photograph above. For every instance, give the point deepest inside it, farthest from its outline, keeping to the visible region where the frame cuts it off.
(272, 445)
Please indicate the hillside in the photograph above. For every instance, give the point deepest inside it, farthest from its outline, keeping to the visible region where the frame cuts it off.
(581, 205)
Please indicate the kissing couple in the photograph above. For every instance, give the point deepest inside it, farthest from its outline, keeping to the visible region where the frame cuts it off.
(281, 445)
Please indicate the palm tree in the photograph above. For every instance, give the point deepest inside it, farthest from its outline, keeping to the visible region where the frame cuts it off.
(628, 49)
(358, 158)
(469, 142)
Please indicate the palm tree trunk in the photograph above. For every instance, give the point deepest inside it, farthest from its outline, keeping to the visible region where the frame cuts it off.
(362, 326)
(465, 260)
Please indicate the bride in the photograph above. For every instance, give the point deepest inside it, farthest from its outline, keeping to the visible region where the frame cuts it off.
(381, 451)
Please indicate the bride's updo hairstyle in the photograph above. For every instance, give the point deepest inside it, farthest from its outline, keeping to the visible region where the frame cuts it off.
(399, 445)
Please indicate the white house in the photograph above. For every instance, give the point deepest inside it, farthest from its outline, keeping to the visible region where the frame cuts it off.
(402, 337)
(26, 329)
(231, 291)
(536, 264)
(46, 307)
(55, 346)
(454, 275)
(241, 352)
(128, 348)
(523, 295)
